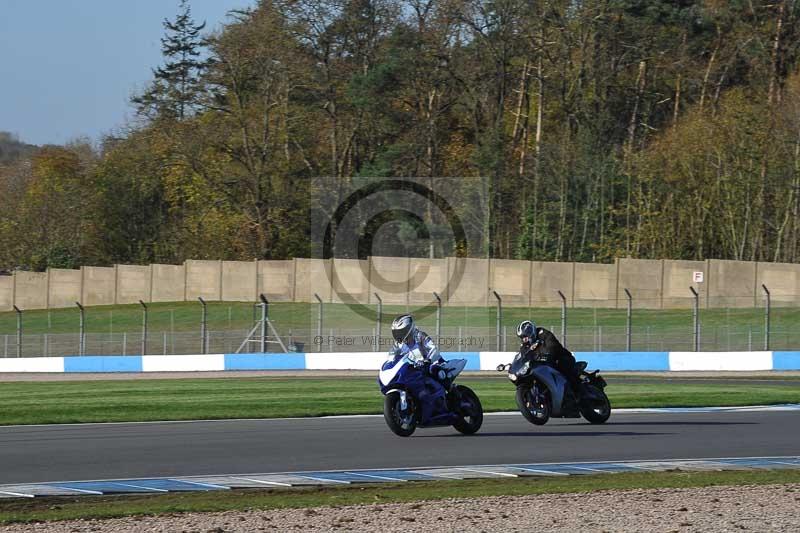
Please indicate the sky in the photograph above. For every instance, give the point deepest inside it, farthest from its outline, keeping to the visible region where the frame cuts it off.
(69, 67)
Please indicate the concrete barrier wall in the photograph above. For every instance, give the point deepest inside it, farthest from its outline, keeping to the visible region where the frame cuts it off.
(133, 284)
(239, 281)
(276, 280)
(549, 278)
(731, 284)
(98, 285)
(311, 276)
(350, 281)
(678, 277)
(595, 285)
(64, 287)
(427, 276)
(204, 280)
(643, 279)
(473, 289)
(168, 283)
(654, 284)
(390, 278)
(512, 280)
(782, 280)
(6, 293)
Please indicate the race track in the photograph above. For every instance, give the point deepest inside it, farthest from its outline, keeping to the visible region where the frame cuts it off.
(104, 451)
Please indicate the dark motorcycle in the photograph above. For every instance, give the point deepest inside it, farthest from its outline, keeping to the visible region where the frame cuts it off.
(544, 392)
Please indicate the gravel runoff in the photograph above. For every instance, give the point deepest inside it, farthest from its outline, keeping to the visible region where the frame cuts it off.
(711, 509)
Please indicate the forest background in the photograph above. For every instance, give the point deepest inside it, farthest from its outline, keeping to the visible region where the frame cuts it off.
(601, 129)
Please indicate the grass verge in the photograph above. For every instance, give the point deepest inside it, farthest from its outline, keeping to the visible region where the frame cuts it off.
(102, 507)
(277, 397)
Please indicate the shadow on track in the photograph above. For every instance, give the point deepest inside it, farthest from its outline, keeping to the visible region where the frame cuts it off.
(539, 433)
(674, 423)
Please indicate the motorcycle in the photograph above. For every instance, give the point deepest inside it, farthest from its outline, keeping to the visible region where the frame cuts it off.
(544, 392)
(412, 398)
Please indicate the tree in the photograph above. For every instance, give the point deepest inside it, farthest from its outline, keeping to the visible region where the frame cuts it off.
(174, 91)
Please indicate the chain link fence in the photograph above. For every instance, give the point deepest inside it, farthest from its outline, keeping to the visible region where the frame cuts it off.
(452, 339)
(328, 327)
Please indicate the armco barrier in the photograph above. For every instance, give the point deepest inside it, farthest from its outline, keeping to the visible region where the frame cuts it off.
(605, 361)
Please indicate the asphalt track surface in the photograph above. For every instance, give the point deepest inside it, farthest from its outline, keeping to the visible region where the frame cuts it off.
(104, 451)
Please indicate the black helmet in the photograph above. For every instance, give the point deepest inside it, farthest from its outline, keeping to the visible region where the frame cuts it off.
(526, 328)
(402, 327)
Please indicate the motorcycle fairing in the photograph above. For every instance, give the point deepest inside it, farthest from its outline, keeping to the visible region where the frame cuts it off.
(556, 383)
(398, 372)
(390, 368)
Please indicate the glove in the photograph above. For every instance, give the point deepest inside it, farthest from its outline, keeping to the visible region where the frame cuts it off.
(438, 372)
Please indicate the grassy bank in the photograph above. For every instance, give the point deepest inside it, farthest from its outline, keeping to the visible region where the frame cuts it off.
(273, 397)
(48, 509)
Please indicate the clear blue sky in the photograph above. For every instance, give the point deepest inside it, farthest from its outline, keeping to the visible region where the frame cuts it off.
(69, 67)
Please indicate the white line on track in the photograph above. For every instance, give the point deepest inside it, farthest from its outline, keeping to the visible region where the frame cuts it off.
(263, 482)
(373, 476)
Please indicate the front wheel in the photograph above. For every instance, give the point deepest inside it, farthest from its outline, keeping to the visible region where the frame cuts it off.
(534, 404)
(401, 421)
(469, 411)
(598, 409)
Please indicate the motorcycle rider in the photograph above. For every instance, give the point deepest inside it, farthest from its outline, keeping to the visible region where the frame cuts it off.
(542, 341)
(405, 332)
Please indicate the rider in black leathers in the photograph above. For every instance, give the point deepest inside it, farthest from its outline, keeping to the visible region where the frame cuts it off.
(542, 341)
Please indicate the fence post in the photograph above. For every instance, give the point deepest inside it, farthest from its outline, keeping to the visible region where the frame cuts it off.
(203, 325)
(82, 338)
(766, 317)
(438, 318)
(696, 319)
(319, 322)
(144, 327)
(378, 323)
(19, 330)
(628, 329)
(563, 319)
(499, 321)
(264, 318)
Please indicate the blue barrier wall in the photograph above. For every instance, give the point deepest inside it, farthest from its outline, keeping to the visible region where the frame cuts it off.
(637, 361)
(103, 363)
(244, 361)
(604, 361)
(786, 360)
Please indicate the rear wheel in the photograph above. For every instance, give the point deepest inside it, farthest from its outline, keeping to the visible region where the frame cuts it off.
(469, 410)
(534, 403)
(598, 410)
(401, 421)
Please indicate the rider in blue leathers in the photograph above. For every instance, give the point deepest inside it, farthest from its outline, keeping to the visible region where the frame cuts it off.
(408, 336)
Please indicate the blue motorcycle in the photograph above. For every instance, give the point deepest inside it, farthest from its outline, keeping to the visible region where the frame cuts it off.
(413, 398)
